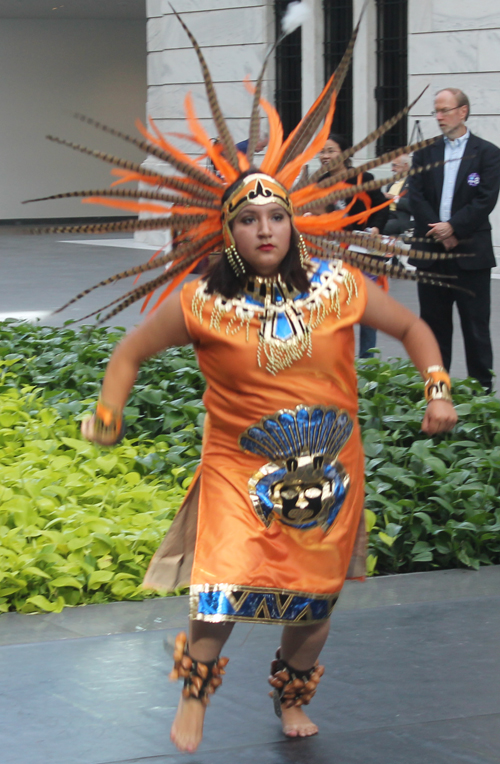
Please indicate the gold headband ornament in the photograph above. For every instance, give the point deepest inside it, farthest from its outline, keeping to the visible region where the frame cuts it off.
(258, 189)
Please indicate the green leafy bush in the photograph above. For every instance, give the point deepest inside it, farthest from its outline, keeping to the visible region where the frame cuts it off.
(431, 502)
(68, 365)
(78, 523)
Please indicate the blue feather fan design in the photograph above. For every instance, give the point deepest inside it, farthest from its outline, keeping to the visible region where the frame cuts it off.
(318, 430)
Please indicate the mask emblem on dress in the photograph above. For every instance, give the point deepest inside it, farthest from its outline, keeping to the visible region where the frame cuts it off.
(305, 485)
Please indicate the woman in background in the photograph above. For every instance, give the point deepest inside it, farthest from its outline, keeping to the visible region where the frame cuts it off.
(375, 224)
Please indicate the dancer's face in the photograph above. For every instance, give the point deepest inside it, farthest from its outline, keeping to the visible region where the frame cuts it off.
(262, 236)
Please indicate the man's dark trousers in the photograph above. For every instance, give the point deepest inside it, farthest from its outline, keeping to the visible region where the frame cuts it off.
(436, 309)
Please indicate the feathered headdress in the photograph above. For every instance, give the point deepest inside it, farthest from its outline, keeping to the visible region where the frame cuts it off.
(188, 202)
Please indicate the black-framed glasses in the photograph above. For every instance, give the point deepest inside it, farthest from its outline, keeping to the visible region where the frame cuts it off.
(435, 112)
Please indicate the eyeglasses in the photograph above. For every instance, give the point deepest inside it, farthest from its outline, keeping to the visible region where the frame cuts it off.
(444, 111)
(330, 151)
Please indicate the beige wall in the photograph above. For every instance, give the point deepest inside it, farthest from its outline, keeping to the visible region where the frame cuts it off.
(233, 36)
(50, 69)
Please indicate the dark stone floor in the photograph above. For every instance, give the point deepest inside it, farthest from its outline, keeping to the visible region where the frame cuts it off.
(412, 678)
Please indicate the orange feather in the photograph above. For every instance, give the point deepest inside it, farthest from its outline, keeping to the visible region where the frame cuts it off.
(202, 138)
(288, 174)
(131, 206)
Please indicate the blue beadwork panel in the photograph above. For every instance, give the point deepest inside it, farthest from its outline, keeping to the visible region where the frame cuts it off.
(226, 603)
(304, 485)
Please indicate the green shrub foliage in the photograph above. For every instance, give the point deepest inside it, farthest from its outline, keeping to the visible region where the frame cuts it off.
(435, 501)
(78, 523)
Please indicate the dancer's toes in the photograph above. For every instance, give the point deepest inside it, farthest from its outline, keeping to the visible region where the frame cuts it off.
(296, 723)
(187, 729)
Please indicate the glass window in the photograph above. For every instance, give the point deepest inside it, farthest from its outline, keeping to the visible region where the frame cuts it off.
(338, 31)
(391, 92)
(288, 97)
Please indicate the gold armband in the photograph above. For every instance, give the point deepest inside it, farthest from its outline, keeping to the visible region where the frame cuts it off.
(108, 423)
(437, 384)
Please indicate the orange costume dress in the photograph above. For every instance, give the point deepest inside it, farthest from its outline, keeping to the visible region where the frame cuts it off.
(279, 492)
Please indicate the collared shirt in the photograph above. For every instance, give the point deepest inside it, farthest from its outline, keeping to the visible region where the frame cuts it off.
(395, 191)
(453, 150)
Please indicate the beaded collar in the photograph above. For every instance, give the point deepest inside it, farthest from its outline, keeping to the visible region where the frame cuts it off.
(287, 317)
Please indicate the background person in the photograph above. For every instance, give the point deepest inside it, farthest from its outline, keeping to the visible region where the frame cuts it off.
(451, 204)
(334, 146)
(399, 218)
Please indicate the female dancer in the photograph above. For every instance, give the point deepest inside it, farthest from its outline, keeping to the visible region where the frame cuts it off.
(273, 522)
(279, 496)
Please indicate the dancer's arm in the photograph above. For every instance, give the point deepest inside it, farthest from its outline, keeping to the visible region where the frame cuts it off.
(386, 314)
(164, 328)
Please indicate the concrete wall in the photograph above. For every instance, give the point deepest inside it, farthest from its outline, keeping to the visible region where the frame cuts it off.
(50, 69)
(233, 37)
(456, 43)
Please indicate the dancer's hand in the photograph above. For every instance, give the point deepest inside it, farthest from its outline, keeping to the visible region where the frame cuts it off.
(88, 432)
(440, 416)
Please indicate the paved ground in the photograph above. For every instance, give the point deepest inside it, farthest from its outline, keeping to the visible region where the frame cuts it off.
(412, 678)
(42, 272)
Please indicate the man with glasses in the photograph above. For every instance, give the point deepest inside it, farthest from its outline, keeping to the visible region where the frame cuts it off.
(451, 204)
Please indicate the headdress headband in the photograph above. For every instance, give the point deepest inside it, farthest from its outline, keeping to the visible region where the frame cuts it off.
(188, 201)
(258, 189)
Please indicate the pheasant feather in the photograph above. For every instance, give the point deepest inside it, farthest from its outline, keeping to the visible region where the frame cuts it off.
(370, 185)
(381, 247)
(302, 134)
(127, 225)
(179, 160)
(132, 194)
(220, 123)
(158, 262)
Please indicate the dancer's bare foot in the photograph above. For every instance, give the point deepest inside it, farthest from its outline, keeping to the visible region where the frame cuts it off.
(187, 729)
(296, 723)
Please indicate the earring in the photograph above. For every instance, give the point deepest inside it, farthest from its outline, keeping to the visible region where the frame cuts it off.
(303, 253)
(235, 261)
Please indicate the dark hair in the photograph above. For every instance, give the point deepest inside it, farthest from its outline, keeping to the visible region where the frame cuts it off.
(222, 279)
(343, 145)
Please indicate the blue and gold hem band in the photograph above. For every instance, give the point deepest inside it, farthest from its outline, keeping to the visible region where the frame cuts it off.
(229, 602)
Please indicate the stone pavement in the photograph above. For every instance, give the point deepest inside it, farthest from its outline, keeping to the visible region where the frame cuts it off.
(412, 678)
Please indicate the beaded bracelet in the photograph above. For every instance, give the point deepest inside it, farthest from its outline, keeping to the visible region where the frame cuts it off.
(437, 384)
(108, 422)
